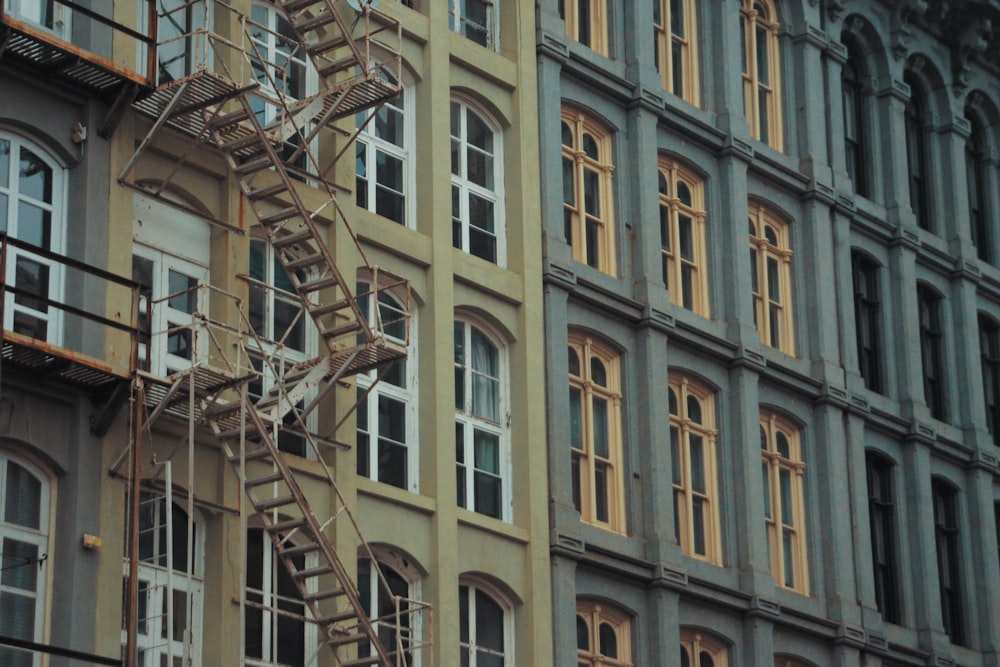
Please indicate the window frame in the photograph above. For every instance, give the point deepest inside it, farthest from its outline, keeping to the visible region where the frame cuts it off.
(976, 166)
(683, 426)
(592, 32)
(929, 303)
(471, 587)
(696, 645)
(915, 132)
(468, 188)
(666, 40)
(585, 459)
(470, 423)
(865, 273)
(672, 209)
(946, 539)
(855, 117)
(774, 464)
(989, 355)
(596, 615)
(763, 250)
(391, 564)
(369, 146)
(751, 25)
(457, 13)
(880, 481)
(577, 164)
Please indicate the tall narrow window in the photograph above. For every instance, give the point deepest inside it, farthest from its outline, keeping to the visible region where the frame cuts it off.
(682, 237)
(770, 279)
(867, 319)
(975, 175)
(387, 412)
(586, 22)
(931, 350)
(692, 450)
(382, 598)
(784, 506)
(595, 433)
(587, 171)
(855, 137)
(946, 539)
(481, 425)
(916, 153)
(24, 526)
(476, 185)
(382, 160)
(882, 523)
(178, 51)
(484, 632)
(675, 32)
(989, 353)
(602, 636)
(761, 71)
(32, 194)
(699, 649)
(996, 520)
(475, 19)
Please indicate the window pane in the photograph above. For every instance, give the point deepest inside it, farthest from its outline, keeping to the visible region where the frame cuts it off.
(19, 566)
(489, 623)
(592, 192)
(608, 640)
(35, 177)
(34, 225)
(601, 482)
(697, 464)
(600, 407)
(698, 525)
(785, 480)
(575, 418)
(23, 497)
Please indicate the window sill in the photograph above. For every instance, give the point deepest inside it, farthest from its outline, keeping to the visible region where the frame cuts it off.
(396, 496)
(493, 526)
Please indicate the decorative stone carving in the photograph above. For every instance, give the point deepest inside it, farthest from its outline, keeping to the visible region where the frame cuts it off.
(902, 25)
(972, 38)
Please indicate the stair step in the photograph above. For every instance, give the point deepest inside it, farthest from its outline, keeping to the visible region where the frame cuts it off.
(318, 21)
(291, 239)
(267, 191)
(279, 216)
(252, 455)
(327, 45)
(339, 617)
(317, 284)
(350, 327)
(250, 430)
(362, 662)
(228, 119)
(250, 166)
(337, 66)
(311, 572)
(297, 549)
(241, 143)
(276, 476)
(319, 596)
(287, 525)
(271, 503)
(302, 262)
(342, 640)
(327, 308)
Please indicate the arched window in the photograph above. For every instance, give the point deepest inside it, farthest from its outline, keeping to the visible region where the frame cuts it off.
(692, 450)
(170, 583)
(384, 168)
(761, 71)
(770, 279)
(586, 22)
(481, 422)
(484, 627)
(916, 151)
(855, 118)
(387, 412)
(32, 198)
(975, 174)
(945, 497)
(379, 602)
(24, 531)
(932, 350)
(682, 237)
(595, 432)
(784, 505)
(675, 31)
(603, 635)
(477, 20)
(882, 522)
(700, 649)
(587, 209)
(989, 354)
(477, 215)
(867, 319)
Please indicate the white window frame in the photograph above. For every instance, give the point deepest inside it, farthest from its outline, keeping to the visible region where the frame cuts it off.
(29, 11)
(372, 145)
(192, 51)
(53, 318)
(407, 395)
(473, 585)
(457, 21)
(467, 188)
(471, 422)
(387, 558)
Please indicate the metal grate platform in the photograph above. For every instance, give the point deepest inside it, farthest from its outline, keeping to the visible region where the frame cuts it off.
(42, 361)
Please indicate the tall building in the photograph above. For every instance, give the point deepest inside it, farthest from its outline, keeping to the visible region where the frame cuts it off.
(771, 338)
(271, 285)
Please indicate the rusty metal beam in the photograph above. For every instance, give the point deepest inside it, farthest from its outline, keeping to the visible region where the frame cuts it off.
(127, 94)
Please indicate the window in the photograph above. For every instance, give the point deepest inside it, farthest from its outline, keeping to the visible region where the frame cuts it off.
(595, 433)
(770, 279)
(276, 632)
(587, 170)
(882, 523)
(475, 19)
(32, 193)
(682, 237)
(702, 650)
(178, 52)
(387, 416)
(481, 423)
(855, 118)
(867, 319)
(586, 22)
(692, 450)
(25, 545)
(484, 633)
(784, 506)
(476, 185)
(602, 635)
(51, 16)
(170, 584)
(761, 71)
(383, 167)
(989, 352)
(379, 602)
(916, 152)
(931, 335)
(675, 31)
(996, 520)
(975, 175)
(946, 540)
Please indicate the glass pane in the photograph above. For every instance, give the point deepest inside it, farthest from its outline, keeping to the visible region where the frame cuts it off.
(389, 123)
(34, 225)
(698, 524)
(592, 192)
(23, 497)
(763, 74)
(766, 474)
(182, 287)
(697, 463)
(598, 373)
(575, 418)
(787, 512)
(19, 565)
(489, 623)
(608, 640)
(17, 619)
(31, 277)
(569, 186)
(601, 443)
(35, 177)
(675, 455)
(686, 233)
(601, 491)
(784, 448)
(789, 561)
(487, 452)
(4, 163)
(582, 634)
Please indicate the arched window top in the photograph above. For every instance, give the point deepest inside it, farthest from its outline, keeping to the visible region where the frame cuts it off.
(763, 9)
(697, 399)
(780, 436)
(583, 132)
(600, 359)
(765, 224)
(602, 634)
(703, 649)
(25, 500)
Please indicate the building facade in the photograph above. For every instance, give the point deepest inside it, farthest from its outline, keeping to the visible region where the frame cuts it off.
(770, 304)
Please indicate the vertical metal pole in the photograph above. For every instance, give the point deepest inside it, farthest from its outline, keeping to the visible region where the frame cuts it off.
(135, 471)
(151, 26)
(169, 518)
(4, 248)
(189, 556)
